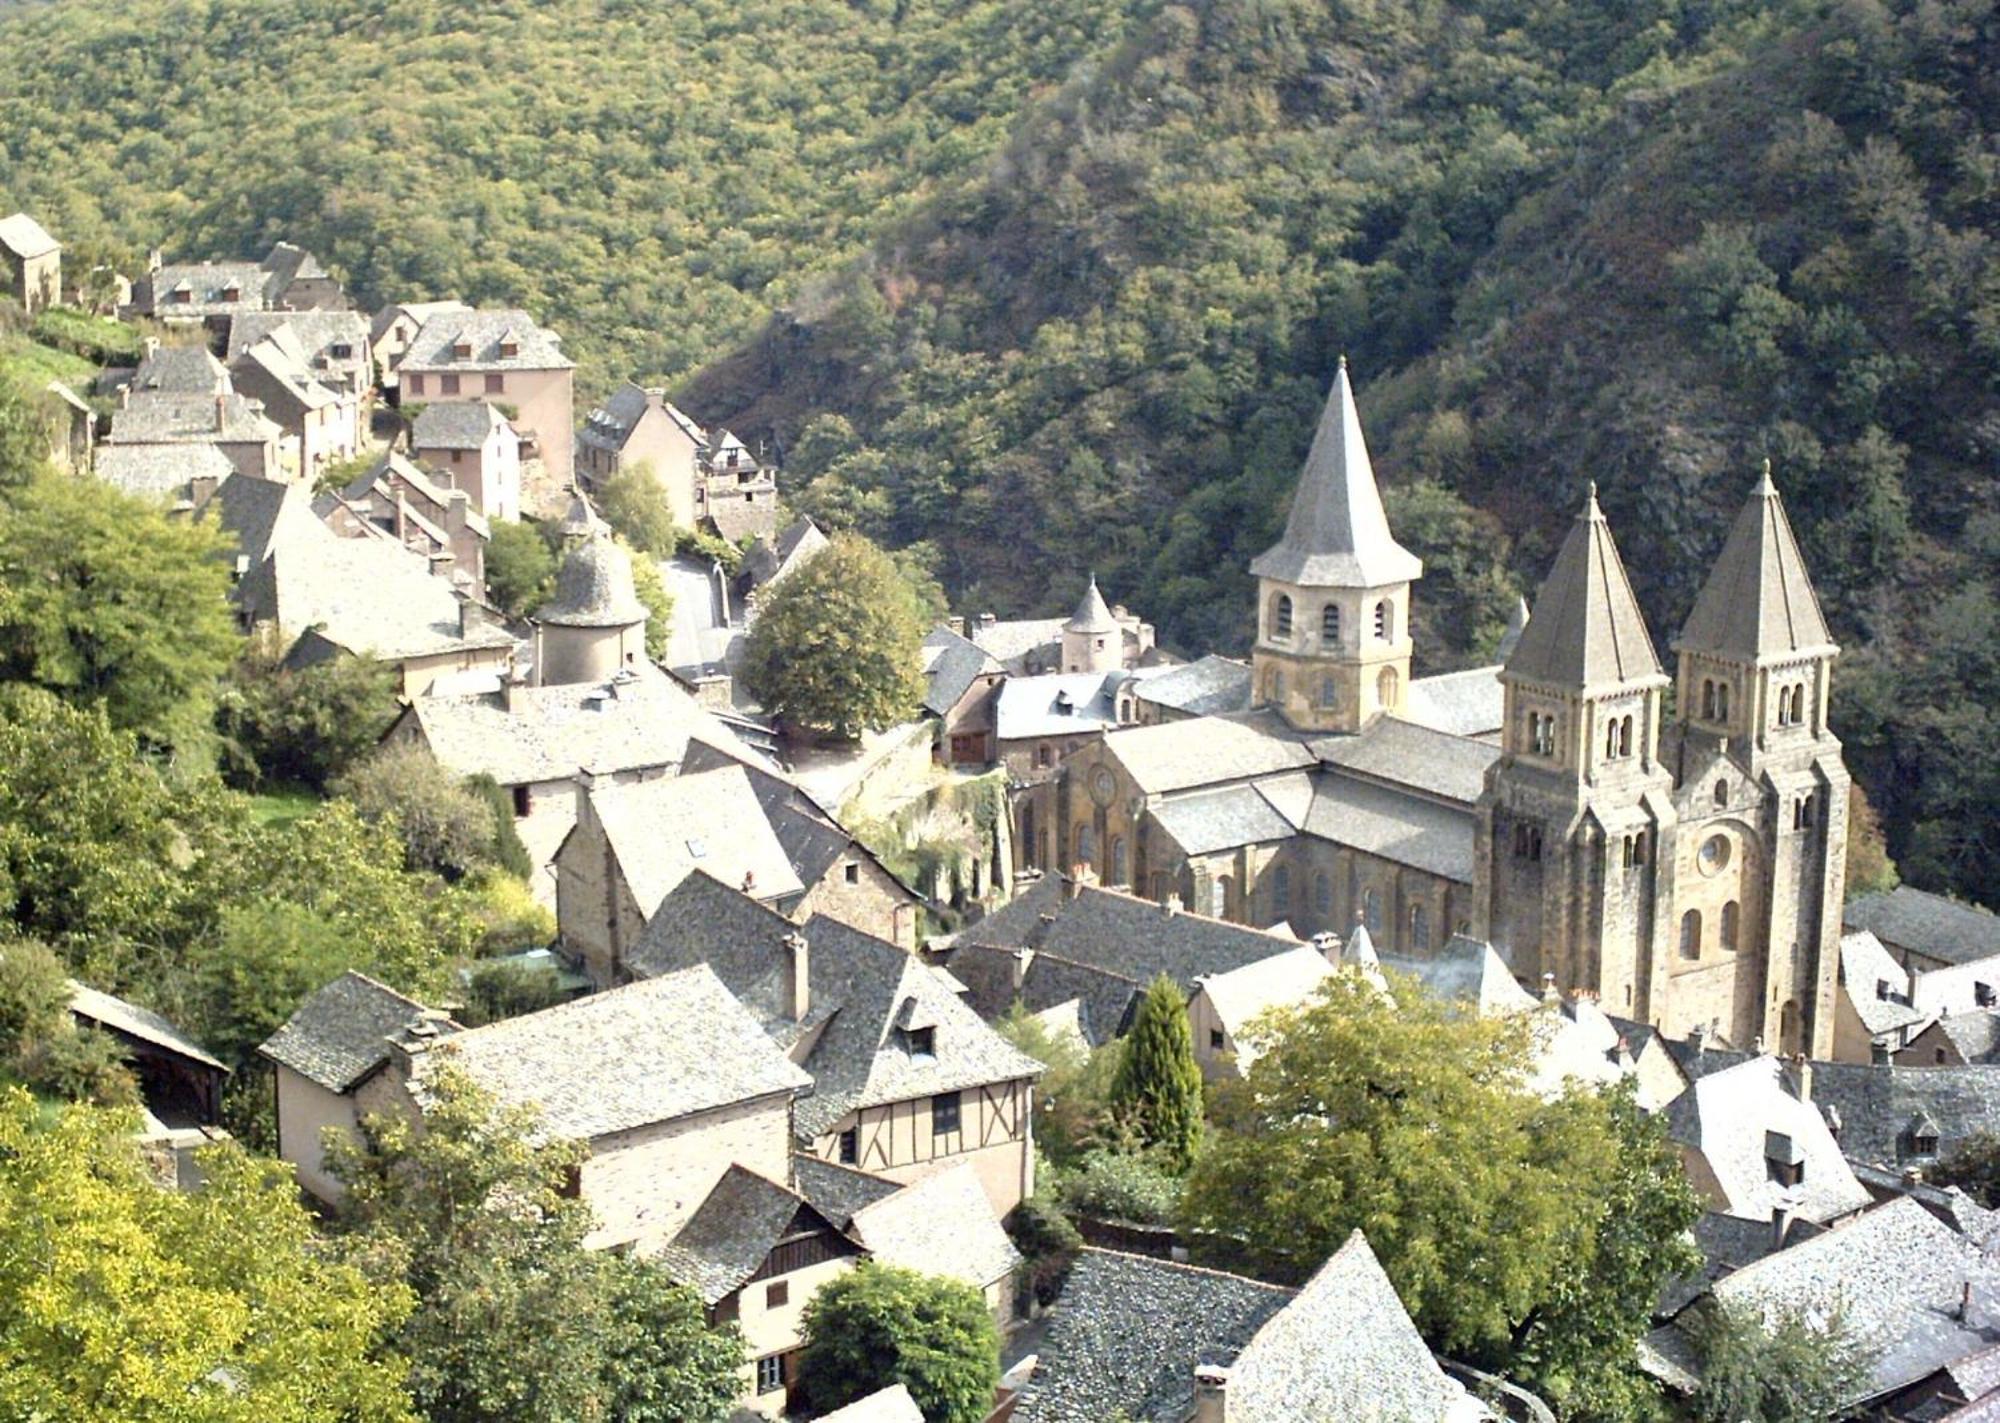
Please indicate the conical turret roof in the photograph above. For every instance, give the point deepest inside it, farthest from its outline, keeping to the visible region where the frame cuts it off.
(1337, 535)
(594, 587)
(579, 521)
(1091, 614)
(1587, 630)
(1758, 601)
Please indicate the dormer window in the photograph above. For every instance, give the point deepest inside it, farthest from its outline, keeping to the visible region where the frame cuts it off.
(462, 348)
(1923, 1145)
(1784, 1159)
(342, 351)
(1982, 994)
(232, 292)
(509, 347)
(921, 1042)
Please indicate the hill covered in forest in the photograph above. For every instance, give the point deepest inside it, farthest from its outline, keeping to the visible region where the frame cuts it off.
(1054, 285)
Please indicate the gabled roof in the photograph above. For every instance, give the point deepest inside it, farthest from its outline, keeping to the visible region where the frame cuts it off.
(665, 829)
(159, 469)
(1976, 1036)
(1128, 1333)
(1468, 703)
(455, 425)
(1012, 639)
(1344, 1348)
(136, 1022)
(1926, 923)
(889, 1405)
(1471, 971)
(1337, 535)
(1736, 1118)
(26, 238)
(594, 587)
(1210, 686)
(628, 1057)
(1242, 995)
(733, 1230)
(1092, 614)
(1864, 967)
(316, 336)
(1394, 824)
(1758, 603)
(417, 311)
(181, 370)
(1057, 704)
(941, 1224)
(161, 417)
(1205, 751)
(839, 1192)
(1401, 753)
(1204, 821)
(860, 988)
(951, 664)
(434, 347)
(341, 1034)
(1587, 631)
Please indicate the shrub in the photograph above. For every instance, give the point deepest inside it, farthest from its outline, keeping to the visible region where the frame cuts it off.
(880, 1325)
(1048, 1244)
(445, 826)
(1122, 1186)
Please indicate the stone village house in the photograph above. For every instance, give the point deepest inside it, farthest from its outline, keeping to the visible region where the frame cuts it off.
(498, 358)
(31, 262)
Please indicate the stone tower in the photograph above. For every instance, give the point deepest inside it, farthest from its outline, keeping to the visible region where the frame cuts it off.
(594, 624)
(1092, 641)
(1760, 867)
(1578, 802)
(1333, 595)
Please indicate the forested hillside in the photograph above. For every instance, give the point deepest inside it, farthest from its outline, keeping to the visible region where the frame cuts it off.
(651, 177)
(1647, 245)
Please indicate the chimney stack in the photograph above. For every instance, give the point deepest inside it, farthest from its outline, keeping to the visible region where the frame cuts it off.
(956, 622)
(1551, 996)
(1965, 1302)
(749, 882)
(798, 977)
(1327, 946)
(152, 344)
(1802, 1075)
(221, 410)
(1211, 1393)
(1019, 968)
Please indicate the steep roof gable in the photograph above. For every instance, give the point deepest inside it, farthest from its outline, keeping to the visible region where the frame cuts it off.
(1758, 602)
(1587, 631)
(1337, 535)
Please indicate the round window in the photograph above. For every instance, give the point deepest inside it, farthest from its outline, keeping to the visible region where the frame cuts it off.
(1715, 854)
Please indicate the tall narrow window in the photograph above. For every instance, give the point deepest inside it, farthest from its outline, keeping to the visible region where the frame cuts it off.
(1371, 911)
(1610, 739)
(1218, 898)
(1385, 621)
(1329, 625)
(1420, 927)
(1386, 687)
(1730, 915)
(1327, 690)
(1028, 830)
(1722, 793)
(1281, 616)
(1691, 934)
(1281, 890)
(1118, 859)
(1323, 894)
(1086, 845)
(1722, 702)
(1707, 700)
(1625, 736)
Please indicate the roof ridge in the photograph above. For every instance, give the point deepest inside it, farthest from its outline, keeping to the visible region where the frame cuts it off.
(1186, 1268)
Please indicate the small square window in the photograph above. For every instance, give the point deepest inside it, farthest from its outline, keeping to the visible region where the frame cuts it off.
(944, 1114)
(496, 384)
(850, 1146)
(458, 456)
(447, 385)
(1215, 1039)
(853, 874)
(770, 1373)
(524, 800)
(415, 382)
(342, 351)
(923, 1042)
(778, 1294)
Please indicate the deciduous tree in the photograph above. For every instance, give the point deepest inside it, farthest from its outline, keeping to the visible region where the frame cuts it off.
(879, 1325)
(1781, 1367)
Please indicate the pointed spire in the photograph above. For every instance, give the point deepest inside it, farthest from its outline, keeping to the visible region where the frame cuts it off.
(580, 521)
(1360, 950)
(1517, 623)
(1758, 601)
(1337, 535)
(1091, 614)
(1587, 630)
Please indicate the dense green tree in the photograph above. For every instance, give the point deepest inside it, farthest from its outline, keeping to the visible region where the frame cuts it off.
(879, 1325)
(635, 505)
(835, 646)
(1781, 1367)
(520, 567)
(505, 851)
(1392, 1113)
(107, 602)
(121, 1302)
(42, 1045)
(515, 1322)
(506, 989)
(1158, 1088)
(1073, 1112)
(445, 825)
(1973, 1167)
(304, 726)
(24, 447)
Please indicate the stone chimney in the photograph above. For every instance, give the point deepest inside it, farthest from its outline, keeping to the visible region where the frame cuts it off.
(1211, 1393)
(1626, 1062)
(798, 977)
(124, 397)
(1327, 946)
(471, 617)
(1018, 970)
(154, 260)
(152, 345)
(749, 885)
(1551, 995)
(986, 620)
(221, 411)
(956, 622)
(1802, 1075)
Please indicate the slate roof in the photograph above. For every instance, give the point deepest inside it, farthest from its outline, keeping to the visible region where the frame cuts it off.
(1727, 1243)
(432, 348)
(663, 830)
(159, 417)
(286, 364)
(951, 664)
(838, 1192)
(1864, 966)
(609, 425)
(731, 1232)
(1180, 755)
(1879, 1105)
(1469, 970)
(1975, 1035)
(552, 733)
(134, 1021)
(1758, 602)
(739, 519)
(1210, 686)
(1202, 822)
(1896, 1273)
(1057, 704)
(1118, 933)
(1336, 535)
(593, 587)
(1344, 1348)
(1468, 703)
(159, 469)
(341, 1034)
(1393, 824)
(1401, 753)
(314, 335)
(454, 425)
(1732, 1118)
(861, 988)
(417, 311)
(205, 283)
(889, 1405)
(1587, 631)
(941, 1224)
(628, 1057)
(1128, 1332)
(25, 238)
(1092, 614)
(1926, 923)
(1284, 980)
(180, 370)
(1011, 640)
(1099, 1002)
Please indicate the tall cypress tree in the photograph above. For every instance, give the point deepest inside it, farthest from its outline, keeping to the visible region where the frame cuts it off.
(1158, 1085)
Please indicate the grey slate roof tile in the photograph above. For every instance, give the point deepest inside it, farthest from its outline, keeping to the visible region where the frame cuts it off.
(1210, 686)
(137, 1022)
(160, 469)
(1394, 824)
(732, 1231)
(1587, 630)
(941, 1224)
(1730, 1118)
(1180, 755)
(1758, 601)
(1468, 703)
(1879, 1105)
(434, 346)
(454, 425)
(838, 1192)
(24, 237)
(889, 1405)
(1395, 752)
(341, 1034)
(1927, 923)
(951, 664)
(1202, 822)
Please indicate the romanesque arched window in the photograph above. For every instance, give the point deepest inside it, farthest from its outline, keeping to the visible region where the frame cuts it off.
(1610, 739)
(1218, 898)
(1328, 690)
(1371, 911)
(1731, 913)
(1281, 889)
(1118, 859)
(1386, 687)
(1784, 706)
(1281, 616)
(1323, 894)
(1420, 927)
(1625, 736)
(1329, 625)
(1086, 845)
(1707, 700)
(1691, 934)
(1028, 831)
(1722, 701)
(1799, 704)
(1722, 793)
(1385, 621)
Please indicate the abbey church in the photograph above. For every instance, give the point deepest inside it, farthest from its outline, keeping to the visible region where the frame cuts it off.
(1673, 843)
